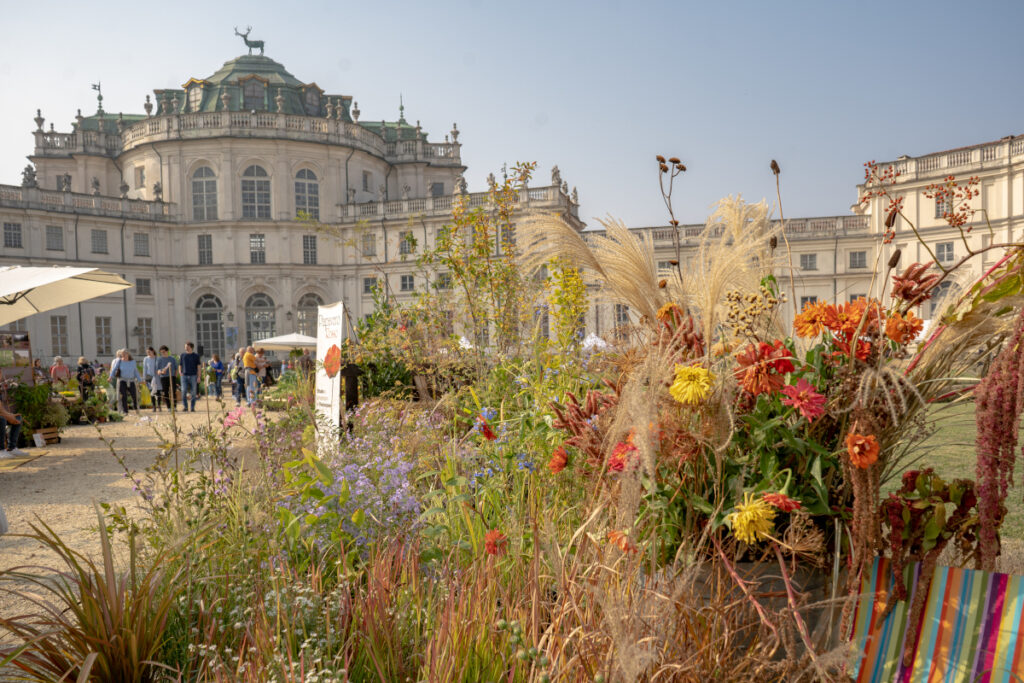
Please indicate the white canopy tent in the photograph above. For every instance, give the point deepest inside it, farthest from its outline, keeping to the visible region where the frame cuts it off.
(27, 290)
(286, 342)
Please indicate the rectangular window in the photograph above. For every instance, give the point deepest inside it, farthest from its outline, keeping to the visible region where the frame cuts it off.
(854, 297)
(369, 244)
(621, 314)
(59, 334)
(54, 238)
(944, 252)
(99, 241)
(804, 300)
(406, 243)
(858, 259)
(104, 336)
(408, 283)
(368, 284)
(367, 179)
(144, 333)
(140, 177)
(664, 266)
(808, 261)
(444, 281)
(12, 236)
(442, 235)
(309, 250)
(206, 250)
(143, 286)
(943, 207)
(257, 248)
(436, 189)
(141, 240)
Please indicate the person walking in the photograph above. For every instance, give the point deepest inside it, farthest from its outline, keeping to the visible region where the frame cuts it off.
(188, 366)
(149, 374)
(238, 375)
(59, 373)
(127, 382)
(252, 377)
(86, 378)
(166, 371)
(10, 429)
(217, 368)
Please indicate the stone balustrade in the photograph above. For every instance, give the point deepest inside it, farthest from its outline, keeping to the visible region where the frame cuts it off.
(541, 198)
(964, 161)
(248, 124)
(800, 228)
(13, 196)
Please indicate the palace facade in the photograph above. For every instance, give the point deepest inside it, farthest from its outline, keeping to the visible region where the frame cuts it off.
(212, 204)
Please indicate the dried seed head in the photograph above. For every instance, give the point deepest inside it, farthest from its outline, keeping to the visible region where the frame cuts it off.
(894, 260)
(673, 262)
(663, 283)
(664, 168)
(890, 219)
(661, 159)
(773, 242)
(673, 160)
(681, 167)
(775, 167)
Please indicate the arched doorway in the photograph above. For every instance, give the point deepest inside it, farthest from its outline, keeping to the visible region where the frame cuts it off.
(307, 312)
(210, 325)
(260, 318)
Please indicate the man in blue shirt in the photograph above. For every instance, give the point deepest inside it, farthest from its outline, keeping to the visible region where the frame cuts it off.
(189, 367)
(166, 368)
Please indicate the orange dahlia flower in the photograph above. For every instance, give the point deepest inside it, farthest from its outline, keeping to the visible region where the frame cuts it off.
(863, 450)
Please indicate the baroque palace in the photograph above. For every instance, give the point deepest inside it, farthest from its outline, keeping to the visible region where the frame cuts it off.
(196, 203)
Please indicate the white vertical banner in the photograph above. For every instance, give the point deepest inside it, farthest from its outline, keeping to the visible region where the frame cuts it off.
(330, 331)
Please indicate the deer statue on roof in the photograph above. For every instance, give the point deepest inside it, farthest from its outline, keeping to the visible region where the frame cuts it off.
(249, 43)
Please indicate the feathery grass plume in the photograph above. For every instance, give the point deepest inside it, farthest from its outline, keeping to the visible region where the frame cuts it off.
(733, 254)
(622, 260)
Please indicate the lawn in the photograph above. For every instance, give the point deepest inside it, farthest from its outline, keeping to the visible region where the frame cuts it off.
(950, 450)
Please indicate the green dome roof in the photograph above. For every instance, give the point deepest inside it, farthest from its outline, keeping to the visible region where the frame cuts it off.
(254, 65)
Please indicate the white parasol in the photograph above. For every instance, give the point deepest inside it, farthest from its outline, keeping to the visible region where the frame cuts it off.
(286, 342)
(27, 290)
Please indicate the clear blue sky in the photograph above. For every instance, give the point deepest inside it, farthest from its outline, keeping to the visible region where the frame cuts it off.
(598, 87)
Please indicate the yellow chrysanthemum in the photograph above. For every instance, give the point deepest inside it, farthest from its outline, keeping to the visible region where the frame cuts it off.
(692, 384)
(753, 519)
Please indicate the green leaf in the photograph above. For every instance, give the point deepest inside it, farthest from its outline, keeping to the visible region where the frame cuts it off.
(358, 517)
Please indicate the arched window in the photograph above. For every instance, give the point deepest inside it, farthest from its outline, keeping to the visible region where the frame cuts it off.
(210, 325)
(255, 193)
(204, 194)
(307, 194)
(941, 296)
(312, 102)
(254, 95)
(260, 319)
(307, 312)
(195, 98)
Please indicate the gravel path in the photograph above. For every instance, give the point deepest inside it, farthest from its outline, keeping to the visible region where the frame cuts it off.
(61, 487)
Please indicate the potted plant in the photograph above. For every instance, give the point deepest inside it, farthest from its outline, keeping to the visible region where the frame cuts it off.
(39, 413)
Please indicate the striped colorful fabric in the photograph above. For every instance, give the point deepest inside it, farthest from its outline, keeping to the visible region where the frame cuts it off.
(969, 632)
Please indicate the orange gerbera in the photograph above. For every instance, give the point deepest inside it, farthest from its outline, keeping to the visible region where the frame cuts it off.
(811, 321)
(559, 459)
(495, 542)
(863, 450)
(755, 365)
(903, 329)
(622, 454)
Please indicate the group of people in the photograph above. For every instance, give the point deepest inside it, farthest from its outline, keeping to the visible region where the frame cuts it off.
(250, 373)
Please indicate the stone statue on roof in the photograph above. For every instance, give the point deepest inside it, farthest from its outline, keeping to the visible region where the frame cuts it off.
(28, 177)
(556, 176)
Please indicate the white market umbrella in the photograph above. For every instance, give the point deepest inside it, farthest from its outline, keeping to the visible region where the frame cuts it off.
(286, 342)
(27, 290)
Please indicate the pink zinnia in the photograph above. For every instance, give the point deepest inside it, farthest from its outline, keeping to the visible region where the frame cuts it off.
(232, 418)
(804, 398)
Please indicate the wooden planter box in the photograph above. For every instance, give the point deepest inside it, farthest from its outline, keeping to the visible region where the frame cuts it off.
(49, 434)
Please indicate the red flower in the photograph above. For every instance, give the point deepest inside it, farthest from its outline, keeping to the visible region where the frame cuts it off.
(804, 398)
(486, 430)
(559, 459)
(781, 501)
(863, 450)
(779, 358)
(621, 541)
(495, 542)
(621, 453)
